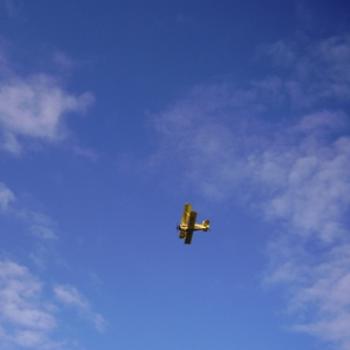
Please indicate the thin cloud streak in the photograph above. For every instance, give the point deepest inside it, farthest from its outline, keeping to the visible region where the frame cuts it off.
(70, 296)
(6, 197)
(40, 225)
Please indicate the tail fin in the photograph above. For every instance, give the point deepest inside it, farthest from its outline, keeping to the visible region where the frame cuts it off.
(206, 223)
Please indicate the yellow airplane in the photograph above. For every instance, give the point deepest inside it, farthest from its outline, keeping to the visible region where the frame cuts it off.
(188, 224)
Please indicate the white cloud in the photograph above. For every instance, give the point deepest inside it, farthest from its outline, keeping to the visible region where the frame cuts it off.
(35, 108)
(322, 290)
(303, 179)
(24, 313)
(294, 172)
(29, 317)
(309, 179)
(6, 196)
(70, 296)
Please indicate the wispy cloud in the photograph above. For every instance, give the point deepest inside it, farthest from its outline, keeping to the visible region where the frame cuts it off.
(62, 60)
(313, 72)
(70, 296)
(29, 314)
(40, 225)
(295, 171)
(27, 319)
(35, 107)
(6, 196)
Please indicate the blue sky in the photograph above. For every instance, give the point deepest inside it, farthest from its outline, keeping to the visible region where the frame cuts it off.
(114, 114)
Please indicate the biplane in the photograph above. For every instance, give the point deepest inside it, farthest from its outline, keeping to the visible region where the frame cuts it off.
(188, 224)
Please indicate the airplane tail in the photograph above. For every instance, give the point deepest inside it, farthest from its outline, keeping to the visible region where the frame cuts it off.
(206, 224)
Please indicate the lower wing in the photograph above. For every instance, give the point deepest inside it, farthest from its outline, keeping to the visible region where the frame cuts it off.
(188, 238)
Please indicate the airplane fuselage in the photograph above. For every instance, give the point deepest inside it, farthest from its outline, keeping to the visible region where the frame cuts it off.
(197, 227)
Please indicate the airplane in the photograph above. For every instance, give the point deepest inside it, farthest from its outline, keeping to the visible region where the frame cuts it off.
(188, 224)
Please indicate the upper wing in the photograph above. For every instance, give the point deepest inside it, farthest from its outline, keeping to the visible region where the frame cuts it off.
(191, 223)
(186, 215)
